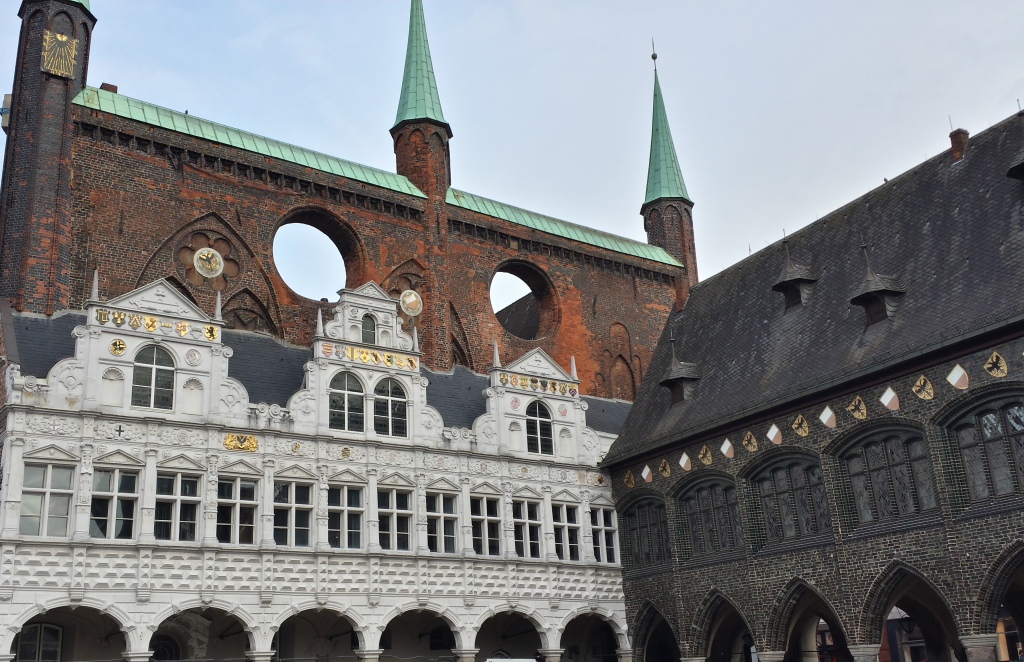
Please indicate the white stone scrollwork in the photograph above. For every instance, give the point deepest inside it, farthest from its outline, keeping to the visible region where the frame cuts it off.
(486, 467)
(182, 437)
(118, 430)
(394, 458)
(53, 425)
(570, 476)
(524, 471)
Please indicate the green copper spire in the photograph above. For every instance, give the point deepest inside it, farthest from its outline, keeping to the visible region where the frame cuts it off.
(419, 100)
(664, 177)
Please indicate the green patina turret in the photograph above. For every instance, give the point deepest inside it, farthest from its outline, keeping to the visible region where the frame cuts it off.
(667, 206)
(419, 100)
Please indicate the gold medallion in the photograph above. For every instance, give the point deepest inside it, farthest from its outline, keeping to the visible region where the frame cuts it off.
(118, 347)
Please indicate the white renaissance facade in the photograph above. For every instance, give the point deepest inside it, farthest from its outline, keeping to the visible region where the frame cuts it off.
(152, 509)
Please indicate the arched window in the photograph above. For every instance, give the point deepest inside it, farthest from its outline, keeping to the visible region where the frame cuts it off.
(793, 501)
(647, 529)
(991, 443)
(345, 403)
(538, 429)
(369, 331)
(39, 642)
(389, 409)
(712, 518)
(890, 476)
(153, 379)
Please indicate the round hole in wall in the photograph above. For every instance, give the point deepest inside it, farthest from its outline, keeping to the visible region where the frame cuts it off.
(524, 300)
(316, 254)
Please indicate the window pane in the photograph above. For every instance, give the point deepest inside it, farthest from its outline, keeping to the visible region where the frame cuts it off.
(449, 505)
(334, 496)
(189, 487)
(127, 483)
(34, 476)
(163, 399)
(281, 492)
(164, 380)
(355, 498)
(225, 489)
(101, 480)
(303, 494)
(60, 477)
(142, 376)
(402, 500)
(165, 485)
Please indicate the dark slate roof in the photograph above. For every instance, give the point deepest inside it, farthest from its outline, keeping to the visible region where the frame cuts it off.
(521, 318)
(270, 370)
(952, 231)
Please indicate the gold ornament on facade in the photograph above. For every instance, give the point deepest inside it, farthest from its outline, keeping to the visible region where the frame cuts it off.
(629, 480)
(801, 426)
(60, 53)
(705, 455)
(750, 442)
(118, 347)
(923, 388)
(208, 261)
(858, 408)
(210, 331)
(241, 442)
(665, 469)
(996, 365)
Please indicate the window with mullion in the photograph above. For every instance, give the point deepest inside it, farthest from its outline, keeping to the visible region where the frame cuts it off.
(793, 501)
(47, 491)
(346, 403)
(177, 508)
(539, 438)
(394, 514)
(390, 409)
(38, 642)
(236, 510)
(526, 525)
(442, 522)
(991, 445)
(293, 513)
(647, 530)
(603, 528)
(153, 379)
(712, 515)
(890, 477)
(485, 516)
(344, 516)
(112, 512)
(567, 531)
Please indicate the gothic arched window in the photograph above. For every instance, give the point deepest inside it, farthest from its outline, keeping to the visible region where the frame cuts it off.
(345, 403)
(991, 444)
(153, 379)
(369, 331)
(712, 514)
(647, 531)
(890, 476)
(389, 409)
(538, 429)
(793, 501)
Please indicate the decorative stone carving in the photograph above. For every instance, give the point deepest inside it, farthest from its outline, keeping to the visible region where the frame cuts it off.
(182, 436)
(53, 425)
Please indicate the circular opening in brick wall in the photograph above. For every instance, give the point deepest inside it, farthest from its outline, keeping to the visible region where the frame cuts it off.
(524, 301)
(316, 254)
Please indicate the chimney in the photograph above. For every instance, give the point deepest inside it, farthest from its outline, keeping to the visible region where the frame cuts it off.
(108, 87)
(958, 140)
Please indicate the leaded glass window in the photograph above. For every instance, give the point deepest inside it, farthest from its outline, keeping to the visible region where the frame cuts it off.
(647, 531)
(712, 515)
(389, 409)
(793, 501)
(991, 445)
(346, 403)
(890, 477)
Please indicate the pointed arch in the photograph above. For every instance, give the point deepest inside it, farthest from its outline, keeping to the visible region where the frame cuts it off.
(245, 311)
(794, 601)
(459, 340)
(623, 382)
(712, 613)
(409, 275)
(895, 581)
(997, 583)
(648, 617)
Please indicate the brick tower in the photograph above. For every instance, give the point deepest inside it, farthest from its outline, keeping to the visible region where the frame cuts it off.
(421, 137)
(35, 214)
(667, 209)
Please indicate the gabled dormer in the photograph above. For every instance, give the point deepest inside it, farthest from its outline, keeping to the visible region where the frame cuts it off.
(368, 317)
(796, 282)
(878, 295)
(681, 376)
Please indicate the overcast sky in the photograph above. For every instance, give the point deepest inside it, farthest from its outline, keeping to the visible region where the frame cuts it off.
(781, 111)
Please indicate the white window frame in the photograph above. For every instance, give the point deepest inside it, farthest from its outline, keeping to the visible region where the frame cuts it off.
(393, 406)
(486, 540)
(115, 499)
(535, 433)
(47, 496)
(178, 502)
(391, 519)
(347, 399)
(290, 533)
(527, 523)
(439, 520)
(342, 510)
(234, 506)
(605, 530)
(154, 368)
(371, 329)
(568, 536)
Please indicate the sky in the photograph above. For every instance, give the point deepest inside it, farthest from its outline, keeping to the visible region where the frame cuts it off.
(780, 111)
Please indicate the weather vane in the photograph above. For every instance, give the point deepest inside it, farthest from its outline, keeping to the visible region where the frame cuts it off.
(654, 55)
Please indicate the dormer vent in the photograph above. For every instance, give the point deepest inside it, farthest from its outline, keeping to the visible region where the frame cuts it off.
(878, 295)
(796, 281)
(681, 377)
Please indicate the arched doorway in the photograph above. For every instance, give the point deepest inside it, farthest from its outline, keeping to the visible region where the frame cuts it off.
(589, 638)
(728, 637)
(914, 618)
(417, 635)
(507, 635)
(200, 634)
(69, 634)
(812, 631)
(654, 640)
(316, 636)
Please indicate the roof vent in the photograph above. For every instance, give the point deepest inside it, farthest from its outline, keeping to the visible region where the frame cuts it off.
(958, 140)
(878, 295)
(681, 377)
(108, 87)
(796, 281)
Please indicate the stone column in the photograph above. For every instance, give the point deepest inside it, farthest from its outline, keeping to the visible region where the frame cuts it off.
(548, 527)
(210, 502)
(82, 507)
(980, 647)
(148, 498)
(465, 519)
(420, 517)
(137, 656)
(369, 655)
(586, 530)
(267, 516)
(624, 654)
(466, 654)
(322, 544)
(372, 518)
(260, 656)
(864, 652)
(551, 654)
(12, 488)
(769, 656)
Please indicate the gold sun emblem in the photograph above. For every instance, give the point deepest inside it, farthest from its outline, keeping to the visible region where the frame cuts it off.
(59, 51)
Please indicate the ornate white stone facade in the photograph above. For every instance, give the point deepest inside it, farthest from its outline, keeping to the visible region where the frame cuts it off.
(340, 525)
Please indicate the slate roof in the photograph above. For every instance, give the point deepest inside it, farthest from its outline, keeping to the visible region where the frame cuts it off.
(521, 318)
(272, 370)
(952, 231)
